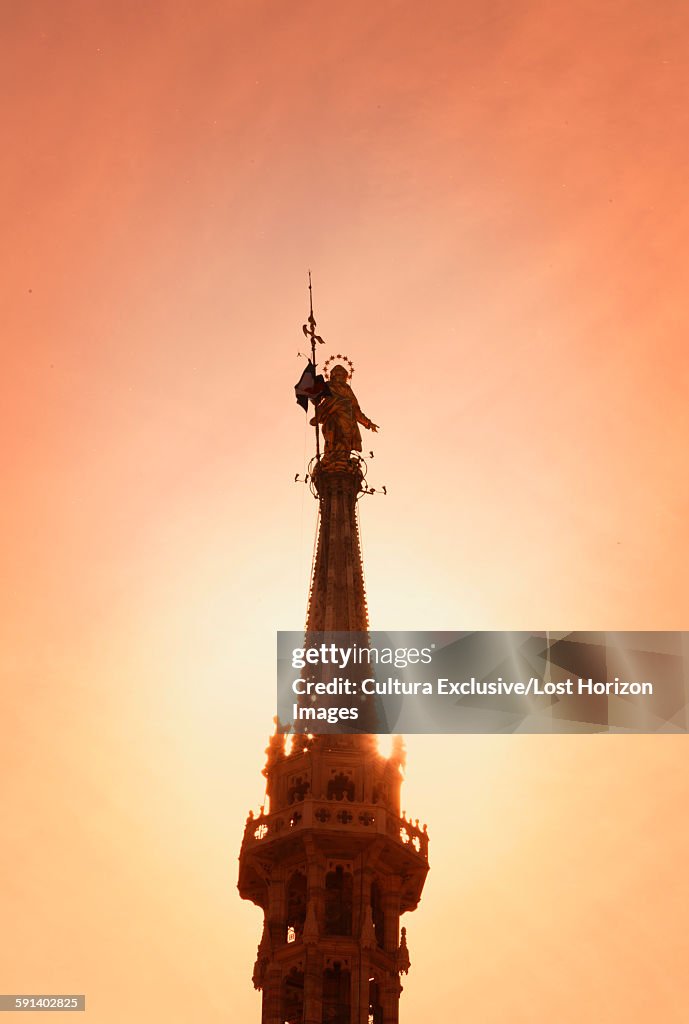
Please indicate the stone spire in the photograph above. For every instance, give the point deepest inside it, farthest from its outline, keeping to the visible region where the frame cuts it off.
(337, 600)
(331, 862)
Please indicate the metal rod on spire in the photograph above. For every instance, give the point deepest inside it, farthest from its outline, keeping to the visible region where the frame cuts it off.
(311, 334)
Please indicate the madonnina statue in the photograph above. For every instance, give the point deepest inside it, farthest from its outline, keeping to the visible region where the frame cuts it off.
(339, 417)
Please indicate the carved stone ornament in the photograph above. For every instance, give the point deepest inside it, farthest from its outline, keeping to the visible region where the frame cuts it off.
(403, 961)
(310, 933)
(262, 957)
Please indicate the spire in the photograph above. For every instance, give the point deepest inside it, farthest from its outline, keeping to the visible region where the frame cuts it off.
(337, 600)
(330, 860)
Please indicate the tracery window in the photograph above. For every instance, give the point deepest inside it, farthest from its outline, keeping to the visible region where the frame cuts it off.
(299, 786)
(340, 787)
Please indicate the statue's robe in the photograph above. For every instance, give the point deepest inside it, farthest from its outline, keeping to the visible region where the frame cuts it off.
(339, 416)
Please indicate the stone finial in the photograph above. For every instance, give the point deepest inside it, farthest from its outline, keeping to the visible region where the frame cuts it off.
(275, 750)
(403, 961)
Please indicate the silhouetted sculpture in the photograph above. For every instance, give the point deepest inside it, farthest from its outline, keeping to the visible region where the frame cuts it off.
(339, 416)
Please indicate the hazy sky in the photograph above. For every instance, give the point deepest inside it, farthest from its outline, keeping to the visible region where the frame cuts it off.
(492, 199)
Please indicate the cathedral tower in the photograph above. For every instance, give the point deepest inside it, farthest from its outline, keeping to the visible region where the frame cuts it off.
(330, 860)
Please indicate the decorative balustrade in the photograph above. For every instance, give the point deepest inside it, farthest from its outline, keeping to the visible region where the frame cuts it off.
(416, 837)
(314, 813)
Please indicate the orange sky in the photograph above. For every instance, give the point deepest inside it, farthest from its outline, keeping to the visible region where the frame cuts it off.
(492, 198)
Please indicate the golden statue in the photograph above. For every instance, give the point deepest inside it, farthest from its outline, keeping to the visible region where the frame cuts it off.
(339, 417)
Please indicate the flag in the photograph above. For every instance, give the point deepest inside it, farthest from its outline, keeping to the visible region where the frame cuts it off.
(310, 386)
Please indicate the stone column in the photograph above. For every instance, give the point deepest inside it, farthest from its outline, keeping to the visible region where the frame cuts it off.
(390, 999)
(359, 991)
(276, 912)
(272, 995)
(313, 986)
(391, 908)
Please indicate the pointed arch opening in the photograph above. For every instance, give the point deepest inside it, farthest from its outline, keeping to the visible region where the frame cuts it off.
(375, 1006)
(293, 998)
(336, 995)
(378, 913)
(296, 906)
(339, 886)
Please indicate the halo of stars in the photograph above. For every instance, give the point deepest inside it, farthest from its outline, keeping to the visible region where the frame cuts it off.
(340, 357)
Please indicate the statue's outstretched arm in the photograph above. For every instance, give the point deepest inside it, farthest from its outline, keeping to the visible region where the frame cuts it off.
(365, 421)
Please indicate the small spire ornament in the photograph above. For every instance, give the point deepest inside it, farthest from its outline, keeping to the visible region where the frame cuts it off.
(403, 961)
